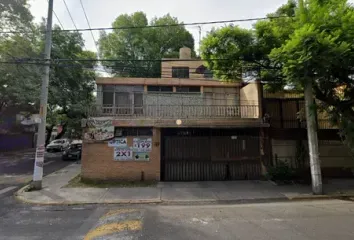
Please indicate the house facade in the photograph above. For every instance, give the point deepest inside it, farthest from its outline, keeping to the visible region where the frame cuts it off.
(184, 126)
(287, 136)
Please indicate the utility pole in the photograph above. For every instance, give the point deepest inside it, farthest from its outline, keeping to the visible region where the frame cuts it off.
(200, 37)
(311, 112)
(40, 150)
(312, 139)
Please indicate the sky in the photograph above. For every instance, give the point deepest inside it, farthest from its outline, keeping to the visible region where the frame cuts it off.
(101, 13)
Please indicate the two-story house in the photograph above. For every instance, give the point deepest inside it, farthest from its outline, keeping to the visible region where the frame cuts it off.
(184, 126)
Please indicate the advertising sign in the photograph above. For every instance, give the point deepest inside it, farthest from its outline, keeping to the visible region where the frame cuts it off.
(118, 142)
(141, 156)
(142, 144)
(123, 154)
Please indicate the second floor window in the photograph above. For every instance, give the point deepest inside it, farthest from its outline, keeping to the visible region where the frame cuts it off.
(160, 89)
(180, 72)
(122, 95)
(188, 89)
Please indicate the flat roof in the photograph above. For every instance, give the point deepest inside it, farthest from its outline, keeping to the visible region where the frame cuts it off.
(165, 82)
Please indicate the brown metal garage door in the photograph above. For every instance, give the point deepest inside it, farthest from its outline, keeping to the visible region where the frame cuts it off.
(210, 155)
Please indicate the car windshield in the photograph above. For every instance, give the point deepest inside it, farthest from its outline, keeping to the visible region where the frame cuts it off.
(75, 146)
(58, 142)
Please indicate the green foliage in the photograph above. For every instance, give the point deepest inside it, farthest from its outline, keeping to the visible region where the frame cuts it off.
(71, 85)
(281, 172)
(250, 49)
(230, 42)
(142, 43)
(320, 50)
(17, 81)
(15, 15)
(313, 43)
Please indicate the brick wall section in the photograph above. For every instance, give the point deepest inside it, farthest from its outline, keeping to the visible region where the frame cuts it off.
(98, 162)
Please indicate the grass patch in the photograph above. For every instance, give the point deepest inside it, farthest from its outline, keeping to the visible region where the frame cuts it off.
(78, 182)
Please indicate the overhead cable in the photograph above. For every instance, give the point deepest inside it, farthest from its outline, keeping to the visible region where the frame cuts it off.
(158, 26)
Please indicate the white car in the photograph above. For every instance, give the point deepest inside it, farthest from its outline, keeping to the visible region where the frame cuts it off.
(58, 145)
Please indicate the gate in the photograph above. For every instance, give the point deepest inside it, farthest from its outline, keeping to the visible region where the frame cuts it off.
(210, 154)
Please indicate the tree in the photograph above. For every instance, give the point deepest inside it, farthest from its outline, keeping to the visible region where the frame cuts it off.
(232, 43)
(15, 15)
(18, 82)
(71, 84)
(294, 55)
(328, 34)
(310, 50)
(142, 42)
(248, 50)
(319, 56)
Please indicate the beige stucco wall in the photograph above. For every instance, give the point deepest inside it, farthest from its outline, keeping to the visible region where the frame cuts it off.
(166, 68)
(250, 100)
(333, 154)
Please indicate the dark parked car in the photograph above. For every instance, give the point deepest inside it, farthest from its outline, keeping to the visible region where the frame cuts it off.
(73, 152)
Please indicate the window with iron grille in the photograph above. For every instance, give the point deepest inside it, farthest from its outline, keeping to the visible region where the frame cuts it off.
(180, 72)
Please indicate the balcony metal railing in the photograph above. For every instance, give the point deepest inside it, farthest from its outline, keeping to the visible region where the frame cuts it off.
(175, 111)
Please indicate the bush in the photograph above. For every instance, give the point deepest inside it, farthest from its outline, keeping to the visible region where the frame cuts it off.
(281, 172)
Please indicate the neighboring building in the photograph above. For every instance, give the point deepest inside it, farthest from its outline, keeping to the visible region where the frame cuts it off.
(184, 126)
(288, 137)
(17, 129)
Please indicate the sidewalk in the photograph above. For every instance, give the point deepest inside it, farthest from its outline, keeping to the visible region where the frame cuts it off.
(176, 192)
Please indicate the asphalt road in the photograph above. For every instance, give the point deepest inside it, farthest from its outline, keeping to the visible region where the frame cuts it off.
(292, 220)
(16, 169)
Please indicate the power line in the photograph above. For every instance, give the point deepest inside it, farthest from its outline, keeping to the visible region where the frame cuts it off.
(129, 69)
(155, 60)
(72, 20)
(140, 60)
(157, 26)
(19, 61)
(71, 17)
(88, 23)
(56, 16)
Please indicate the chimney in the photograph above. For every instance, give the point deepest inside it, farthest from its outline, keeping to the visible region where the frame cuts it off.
(185, 53)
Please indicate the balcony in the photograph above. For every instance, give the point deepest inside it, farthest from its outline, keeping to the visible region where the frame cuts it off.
(175, 111)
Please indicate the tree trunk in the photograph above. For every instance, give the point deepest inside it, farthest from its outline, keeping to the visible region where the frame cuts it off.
(312, 140)
(63, 131)
(49, 134)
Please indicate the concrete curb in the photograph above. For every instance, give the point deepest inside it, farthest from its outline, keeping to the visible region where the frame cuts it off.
(19, 197)
(321, 197)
